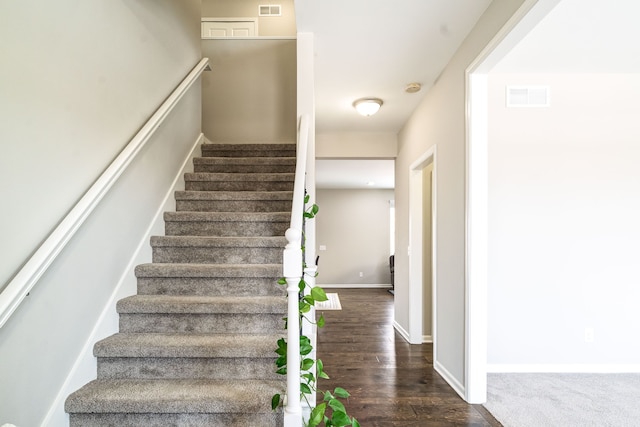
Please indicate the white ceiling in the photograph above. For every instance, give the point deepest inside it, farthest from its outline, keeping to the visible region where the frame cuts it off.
(581, 36)
(374, 48)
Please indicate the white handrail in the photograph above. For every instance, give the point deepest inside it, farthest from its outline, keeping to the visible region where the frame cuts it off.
(35, 267)
(292, 265)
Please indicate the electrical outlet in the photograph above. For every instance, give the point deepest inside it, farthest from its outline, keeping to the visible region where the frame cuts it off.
(589, 335)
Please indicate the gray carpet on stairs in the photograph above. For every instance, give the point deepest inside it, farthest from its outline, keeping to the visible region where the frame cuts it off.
(196, 344)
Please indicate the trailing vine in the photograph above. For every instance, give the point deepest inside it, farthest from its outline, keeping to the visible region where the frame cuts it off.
(331, 412)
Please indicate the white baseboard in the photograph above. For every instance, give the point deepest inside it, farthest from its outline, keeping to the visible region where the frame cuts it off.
(403, 333)
(449, 378)
(355, 286)
(497, 368)
(427, 339)
(84, 369)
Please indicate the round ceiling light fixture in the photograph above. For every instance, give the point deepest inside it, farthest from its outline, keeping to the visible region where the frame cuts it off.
(367, 106)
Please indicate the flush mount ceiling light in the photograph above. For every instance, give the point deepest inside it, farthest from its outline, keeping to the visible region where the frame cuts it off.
(367, 106)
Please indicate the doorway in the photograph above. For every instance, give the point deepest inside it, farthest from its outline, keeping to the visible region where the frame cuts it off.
(422, 221)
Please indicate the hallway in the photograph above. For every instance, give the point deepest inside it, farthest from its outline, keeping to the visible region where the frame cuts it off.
(392, 383)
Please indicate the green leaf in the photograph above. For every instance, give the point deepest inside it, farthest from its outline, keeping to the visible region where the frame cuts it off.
(320, 370)
(282, 371)
(317, 415)
(304, 388)
(282, 281)
(275, 401)
(328, 396)
(336, 405)
(306, 198)
(306, 364)
(354, 423)
(309, 377)
(340, 419)
(318, 294)
(340, 392)
(309, 299)
(321, 321)
(301, 285)
(304, 307)
(281, 361)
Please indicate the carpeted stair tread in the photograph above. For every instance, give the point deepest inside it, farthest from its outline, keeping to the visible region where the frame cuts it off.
(285, 196)
(187, 304)
(186, 345)
(208, 270)
(277, 161)
(249, 150)
(228, 216)
(173, 396)
(219, 242)
(242, 177)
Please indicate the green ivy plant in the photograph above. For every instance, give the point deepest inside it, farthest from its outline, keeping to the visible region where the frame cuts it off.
(331, 412)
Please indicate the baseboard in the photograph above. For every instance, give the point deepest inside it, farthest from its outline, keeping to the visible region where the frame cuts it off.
(355, 286)
(84, 369)
(605, 368)
(449, 378)
(403, 332)
(427, 339)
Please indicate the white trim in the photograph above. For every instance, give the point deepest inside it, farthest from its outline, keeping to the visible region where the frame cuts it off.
(77, 376)
(355, 286)
(35, 267)
(402, 331)
(449, 378)
(427, 339)
(497, 368)
(416, 246)
(476, 191)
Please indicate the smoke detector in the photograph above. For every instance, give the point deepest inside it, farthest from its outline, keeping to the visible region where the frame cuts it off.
(413, 87)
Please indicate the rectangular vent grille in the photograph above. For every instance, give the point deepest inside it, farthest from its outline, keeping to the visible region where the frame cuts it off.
(527, 96)
(270, 10)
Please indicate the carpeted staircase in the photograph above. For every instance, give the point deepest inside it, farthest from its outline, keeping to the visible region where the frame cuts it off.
(196, 344)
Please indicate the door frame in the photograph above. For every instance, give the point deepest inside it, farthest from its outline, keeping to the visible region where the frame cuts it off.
(416, 242)
(530, 13)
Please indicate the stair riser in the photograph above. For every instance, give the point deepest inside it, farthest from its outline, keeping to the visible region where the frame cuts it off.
(244, 168)
(239, 185)
(238, 323)
(233, 206)
(216, 255)
(266, 419)
(186, 367)
(207, 286)
(225, 228)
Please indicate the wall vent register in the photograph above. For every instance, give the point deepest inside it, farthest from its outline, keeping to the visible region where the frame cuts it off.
(269, 10)
(527, 96)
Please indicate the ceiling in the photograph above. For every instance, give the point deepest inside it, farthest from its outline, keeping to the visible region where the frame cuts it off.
(374, 48)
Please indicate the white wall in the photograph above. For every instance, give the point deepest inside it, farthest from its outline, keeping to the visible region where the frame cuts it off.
(564, 203)
(72, 97)
(440, 120)
(250, 96)
(353, 225)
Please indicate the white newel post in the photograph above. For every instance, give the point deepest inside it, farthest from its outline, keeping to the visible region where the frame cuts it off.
(292, 266)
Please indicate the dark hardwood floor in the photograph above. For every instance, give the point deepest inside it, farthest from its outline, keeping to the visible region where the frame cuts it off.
(392, 383)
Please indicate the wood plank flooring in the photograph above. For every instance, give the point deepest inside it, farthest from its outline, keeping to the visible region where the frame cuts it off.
(392, 383)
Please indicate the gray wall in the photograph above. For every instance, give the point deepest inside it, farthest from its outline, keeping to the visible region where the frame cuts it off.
(250, 96)
(439, 121)
(268, 26)
(354, 227)
(71, 97)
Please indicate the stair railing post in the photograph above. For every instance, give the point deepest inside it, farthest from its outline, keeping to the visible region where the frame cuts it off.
(292, 266)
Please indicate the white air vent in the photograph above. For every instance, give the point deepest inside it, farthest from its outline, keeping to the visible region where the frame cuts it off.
(269, 10)
(527, 96)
